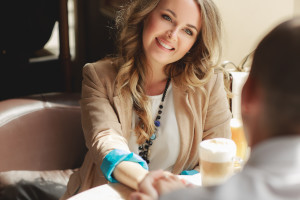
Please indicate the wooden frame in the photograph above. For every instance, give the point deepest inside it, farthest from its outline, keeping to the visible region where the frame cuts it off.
(64, 53)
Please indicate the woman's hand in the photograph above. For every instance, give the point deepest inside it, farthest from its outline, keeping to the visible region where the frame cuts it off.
(168, 184)
(157, 183)
(146, 186)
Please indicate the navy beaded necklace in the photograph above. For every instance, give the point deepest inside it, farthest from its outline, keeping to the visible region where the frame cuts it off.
(144, 149)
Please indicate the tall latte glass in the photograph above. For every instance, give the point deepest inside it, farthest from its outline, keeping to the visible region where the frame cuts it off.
(216, 160)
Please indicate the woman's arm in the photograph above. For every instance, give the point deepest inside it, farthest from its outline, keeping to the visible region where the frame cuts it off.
(103, 130)
(100, 122)
(130, 174)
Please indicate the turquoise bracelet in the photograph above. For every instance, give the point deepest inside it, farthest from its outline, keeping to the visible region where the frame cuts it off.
(113, 158)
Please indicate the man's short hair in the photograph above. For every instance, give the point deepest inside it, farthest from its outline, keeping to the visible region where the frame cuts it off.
(276, 67)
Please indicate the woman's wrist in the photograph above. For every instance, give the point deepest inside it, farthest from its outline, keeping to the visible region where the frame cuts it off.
(130, 174)
(116, 157)
(140, 180)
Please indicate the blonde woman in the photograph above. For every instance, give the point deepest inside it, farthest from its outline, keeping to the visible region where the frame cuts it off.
(150, 106)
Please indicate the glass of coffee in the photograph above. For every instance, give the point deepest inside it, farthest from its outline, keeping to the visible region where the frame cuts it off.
(216, 160)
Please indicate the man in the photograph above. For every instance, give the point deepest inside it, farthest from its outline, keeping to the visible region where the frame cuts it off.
(271, 116)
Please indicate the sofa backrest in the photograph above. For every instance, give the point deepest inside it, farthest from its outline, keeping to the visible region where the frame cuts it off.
(41, 132)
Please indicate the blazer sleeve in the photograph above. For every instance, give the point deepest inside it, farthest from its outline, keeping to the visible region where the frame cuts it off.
(100, 123)
(217, 121)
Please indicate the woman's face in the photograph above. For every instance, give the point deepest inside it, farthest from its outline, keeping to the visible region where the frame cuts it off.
(170, 31)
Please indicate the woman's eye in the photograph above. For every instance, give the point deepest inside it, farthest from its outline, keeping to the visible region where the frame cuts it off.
(188, 31)
(166, 17)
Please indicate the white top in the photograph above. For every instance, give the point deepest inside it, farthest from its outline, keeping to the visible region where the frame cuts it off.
(166, 146)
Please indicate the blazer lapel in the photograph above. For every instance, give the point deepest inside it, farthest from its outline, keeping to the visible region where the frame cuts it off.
(186, 122)
(124, 110)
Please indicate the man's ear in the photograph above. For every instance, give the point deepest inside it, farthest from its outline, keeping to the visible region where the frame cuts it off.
(251, 96)
(251, 109)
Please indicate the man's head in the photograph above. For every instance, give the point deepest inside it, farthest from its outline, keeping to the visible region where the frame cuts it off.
(271, 95)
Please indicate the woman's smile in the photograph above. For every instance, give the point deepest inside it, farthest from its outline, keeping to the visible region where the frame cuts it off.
(163, 45)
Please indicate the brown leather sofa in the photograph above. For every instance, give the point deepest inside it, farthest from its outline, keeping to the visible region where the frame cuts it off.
(41, 143)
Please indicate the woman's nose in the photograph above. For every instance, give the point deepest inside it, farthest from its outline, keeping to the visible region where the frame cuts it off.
(172, 34)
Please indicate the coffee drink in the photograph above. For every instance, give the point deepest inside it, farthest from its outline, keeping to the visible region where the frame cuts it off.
(239, 137)
(216, 160)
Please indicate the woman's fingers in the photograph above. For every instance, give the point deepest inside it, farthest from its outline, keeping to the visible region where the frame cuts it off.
(167, 184)
(156, 183)
(146, 185)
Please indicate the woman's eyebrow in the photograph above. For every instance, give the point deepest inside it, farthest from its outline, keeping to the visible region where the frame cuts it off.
(174, 14)
(192, 26)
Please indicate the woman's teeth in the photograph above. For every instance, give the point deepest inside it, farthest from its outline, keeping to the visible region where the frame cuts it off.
(164, 45)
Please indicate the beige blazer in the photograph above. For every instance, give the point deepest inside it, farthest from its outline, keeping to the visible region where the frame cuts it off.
(106, 122)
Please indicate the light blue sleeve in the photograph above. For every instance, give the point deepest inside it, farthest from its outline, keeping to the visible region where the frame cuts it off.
(113, 158)
(189, 172)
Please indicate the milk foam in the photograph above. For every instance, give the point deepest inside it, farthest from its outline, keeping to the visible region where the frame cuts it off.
(217, 150)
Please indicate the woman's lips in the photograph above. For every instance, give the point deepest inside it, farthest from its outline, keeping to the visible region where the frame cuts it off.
(164, 45)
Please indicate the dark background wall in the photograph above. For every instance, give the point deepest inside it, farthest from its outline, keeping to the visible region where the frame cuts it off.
(95, 36)
(94, 39)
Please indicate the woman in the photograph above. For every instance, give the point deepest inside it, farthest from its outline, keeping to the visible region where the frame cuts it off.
(165, 73)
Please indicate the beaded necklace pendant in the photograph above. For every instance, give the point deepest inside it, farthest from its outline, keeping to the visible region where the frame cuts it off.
(144, 149)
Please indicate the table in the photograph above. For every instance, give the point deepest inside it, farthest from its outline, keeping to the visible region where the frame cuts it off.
(117, 191)
(110, 191)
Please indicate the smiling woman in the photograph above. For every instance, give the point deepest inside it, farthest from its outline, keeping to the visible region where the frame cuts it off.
(170, 32)
(151, 105)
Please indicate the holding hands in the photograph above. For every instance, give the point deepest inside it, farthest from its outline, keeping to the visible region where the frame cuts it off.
(157, 183)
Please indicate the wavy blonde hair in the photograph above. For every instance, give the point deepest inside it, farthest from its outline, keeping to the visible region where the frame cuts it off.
(193, 70)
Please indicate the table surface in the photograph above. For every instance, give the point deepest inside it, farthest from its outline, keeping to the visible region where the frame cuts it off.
(117, 191)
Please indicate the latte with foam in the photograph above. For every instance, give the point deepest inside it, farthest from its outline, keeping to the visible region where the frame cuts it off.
(216, 160)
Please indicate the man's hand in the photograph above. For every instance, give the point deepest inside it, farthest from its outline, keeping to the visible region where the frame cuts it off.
(140, 196)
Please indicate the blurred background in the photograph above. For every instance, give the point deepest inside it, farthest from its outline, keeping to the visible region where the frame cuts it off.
(45, 43)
